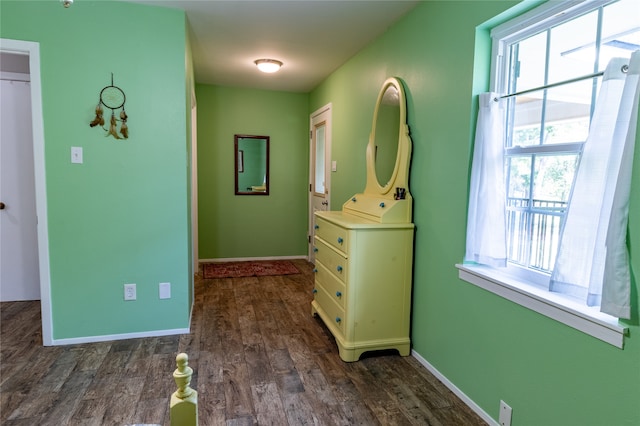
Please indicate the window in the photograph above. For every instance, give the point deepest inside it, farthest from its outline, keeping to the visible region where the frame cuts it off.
(547, 128)
(547, 65)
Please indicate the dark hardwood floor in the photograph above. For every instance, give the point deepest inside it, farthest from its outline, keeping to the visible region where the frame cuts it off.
(258, 355)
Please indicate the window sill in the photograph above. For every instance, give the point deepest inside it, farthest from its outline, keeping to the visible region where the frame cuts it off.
(552, 305)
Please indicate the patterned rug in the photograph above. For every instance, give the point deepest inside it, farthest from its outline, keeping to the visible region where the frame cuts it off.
(248, 269)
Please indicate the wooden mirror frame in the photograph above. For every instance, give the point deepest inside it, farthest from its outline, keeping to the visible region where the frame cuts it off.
(400, 176)
(241, 166)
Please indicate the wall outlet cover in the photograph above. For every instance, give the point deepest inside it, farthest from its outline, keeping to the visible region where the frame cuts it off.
(129, 292)
(165, 290)
(504, 418)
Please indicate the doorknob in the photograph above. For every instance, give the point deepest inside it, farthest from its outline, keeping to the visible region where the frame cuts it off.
(2, 206)
(324, 203)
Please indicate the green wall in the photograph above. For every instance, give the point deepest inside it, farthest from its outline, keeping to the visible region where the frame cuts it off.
(490, 348)
(244, 226)
(121, 217)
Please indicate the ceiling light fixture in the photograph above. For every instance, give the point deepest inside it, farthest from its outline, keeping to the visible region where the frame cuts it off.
(66, 3)
(268, 65)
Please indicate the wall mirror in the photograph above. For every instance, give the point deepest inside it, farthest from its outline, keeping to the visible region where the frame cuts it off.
(389, 148)
(251, 164)
(387, 127)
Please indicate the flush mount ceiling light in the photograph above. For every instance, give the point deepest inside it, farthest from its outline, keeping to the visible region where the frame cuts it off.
(66, 3)
(268, 65)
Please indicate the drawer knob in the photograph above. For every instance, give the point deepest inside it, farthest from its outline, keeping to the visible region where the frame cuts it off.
(340, 240)
(382, 205)
(339, 268)
(338, 320)
(316, 227)
(338, 294)
(315, 290)
(315, 269)
(354, 199)
(315, 249)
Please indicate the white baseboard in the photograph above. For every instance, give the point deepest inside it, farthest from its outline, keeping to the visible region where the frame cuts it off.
(243, 259)
(453, 388)
(123, 336)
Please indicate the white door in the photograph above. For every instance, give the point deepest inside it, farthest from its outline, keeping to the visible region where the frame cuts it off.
(31, 50)
(319, 166)
(19, 267)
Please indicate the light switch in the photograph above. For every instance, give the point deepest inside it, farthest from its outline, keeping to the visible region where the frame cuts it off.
(76, 154)
(334, 166)
(165, 290)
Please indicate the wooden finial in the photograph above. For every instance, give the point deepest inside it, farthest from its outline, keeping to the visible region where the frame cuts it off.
(184, 402)
(182, 376)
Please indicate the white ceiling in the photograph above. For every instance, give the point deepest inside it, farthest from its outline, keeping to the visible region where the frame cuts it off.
(311, 37)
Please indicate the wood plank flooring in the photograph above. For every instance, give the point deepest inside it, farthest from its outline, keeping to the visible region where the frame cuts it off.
(259, 358)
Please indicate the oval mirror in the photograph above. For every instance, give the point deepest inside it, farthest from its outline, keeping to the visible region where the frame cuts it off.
(389, 149)
(387, 130)
(252, 164)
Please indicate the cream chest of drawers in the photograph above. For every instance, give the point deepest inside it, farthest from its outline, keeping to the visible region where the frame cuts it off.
(363, 282)
(364, 253)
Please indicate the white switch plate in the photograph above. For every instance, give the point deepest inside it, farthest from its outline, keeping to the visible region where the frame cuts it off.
(165, 290)
(504, 418)
(334, 166)
(129, 292)
(76, 154)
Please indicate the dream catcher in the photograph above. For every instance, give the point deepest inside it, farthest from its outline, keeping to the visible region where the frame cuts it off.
(112, 97)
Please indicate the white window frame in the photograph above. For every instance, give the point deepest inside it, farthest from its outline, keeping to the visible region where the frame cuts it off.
(518, 288)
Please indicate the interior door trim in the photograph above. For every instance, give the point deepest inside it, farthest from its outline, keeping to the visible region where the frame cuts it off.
(32, 49)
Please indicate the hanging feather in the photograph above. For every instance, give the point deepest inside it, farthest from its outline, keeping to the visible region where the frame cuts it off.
(112, 129)
(124, 130)
(99, 119)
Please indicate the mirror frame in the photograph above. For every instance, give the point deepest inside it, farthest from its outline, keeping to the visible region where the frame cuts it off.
(238, 157)
(400, 176)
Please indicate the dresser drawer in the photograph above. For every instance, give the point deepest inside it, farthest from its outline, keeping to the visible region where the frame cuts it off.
(334, 261)
(336, 315)
(332, 234)
(331, 284)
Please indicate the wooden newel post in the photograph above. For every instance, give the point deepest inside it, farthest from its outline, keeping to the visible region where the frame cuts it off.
(184, 402)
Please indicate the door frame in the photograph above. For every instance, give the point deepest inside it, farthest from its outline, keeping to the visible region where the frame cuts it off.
(326, 109)
(194, 185)
(32, 49)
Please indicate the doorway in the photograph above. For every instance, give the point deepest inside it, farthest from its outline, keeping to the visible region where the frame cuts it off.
(19, 278)
(32, 182)
(319, 168)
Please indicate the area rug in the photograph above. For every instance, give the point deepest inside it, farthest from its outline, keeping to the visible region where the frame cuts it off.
(248, 269)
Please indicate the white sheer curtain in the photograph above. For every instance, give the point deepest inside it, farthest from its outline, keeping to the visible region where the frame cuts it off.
(486, 221)
(580, 262)
(616, 297)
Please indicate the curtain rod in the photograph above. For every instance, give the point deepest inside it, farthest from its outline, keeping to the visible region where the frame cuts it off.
(624, 69)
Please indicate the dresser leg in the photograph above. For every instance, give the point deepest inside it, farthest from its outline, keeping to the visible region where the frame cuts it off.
(348, 355)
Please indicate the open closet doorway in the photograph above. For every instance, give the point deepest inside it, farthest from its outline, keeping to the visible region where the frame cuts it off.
(319, 168)
(23, 220)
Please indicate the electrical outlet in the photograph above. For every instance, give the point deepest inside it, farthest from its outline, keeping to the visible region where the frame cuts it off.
(129, 292)
(505, 414)
(164, 290)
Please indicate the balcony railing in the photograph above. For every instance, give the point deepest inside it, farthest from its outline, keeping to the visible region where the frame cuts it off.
(533, 232)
